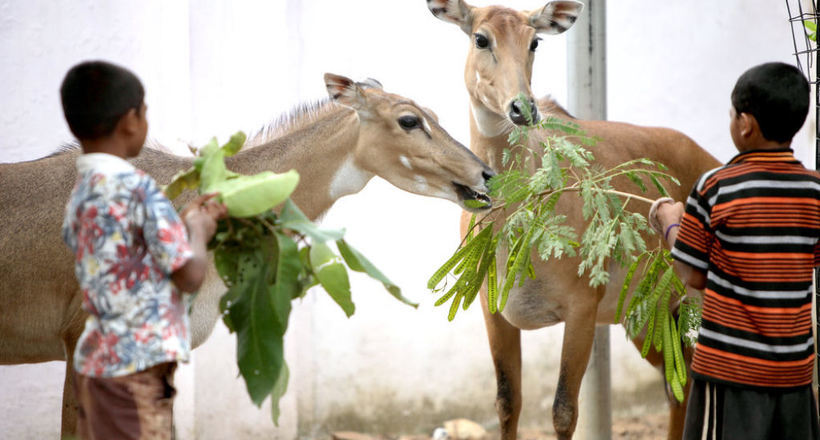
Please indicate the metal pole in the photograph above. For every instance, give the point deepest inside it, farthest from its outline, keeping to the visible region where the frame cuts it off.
(817, 167)
(586, 76)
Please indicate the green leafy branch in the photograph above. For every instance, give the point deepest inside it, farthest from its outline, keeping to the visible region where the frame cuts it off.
(650, 313)
(529, 221)
(266, 260)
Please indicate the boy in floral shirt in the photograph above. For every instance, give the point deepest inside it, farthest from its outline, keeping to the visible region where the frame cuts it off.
(134, 257)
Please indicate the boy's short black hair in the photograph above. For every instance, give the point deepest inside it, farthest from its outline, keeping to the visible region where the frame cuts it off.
(95, 95)
(777, 95)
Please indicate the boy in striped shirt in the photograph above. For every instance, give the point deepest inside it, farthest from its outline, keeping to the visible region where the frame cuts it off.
(748, 236)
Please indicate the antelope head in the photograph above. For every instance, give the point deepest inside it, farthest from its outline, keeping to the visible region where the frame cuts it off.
(502, 48)
(404, 144)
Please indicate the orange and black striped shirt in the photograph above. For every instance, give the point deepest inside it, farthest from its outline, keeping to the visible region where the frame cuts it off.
(753, 226)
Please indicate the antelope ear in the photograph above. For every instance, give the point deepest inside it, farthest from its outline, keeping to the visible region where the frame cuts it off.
(344, 91)
(556, 16)
(370, 83)
(453, 11)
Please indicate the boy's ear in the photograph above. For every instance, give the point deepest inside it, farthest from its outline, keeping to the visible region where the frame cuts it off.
(747, 124)
(129, 122)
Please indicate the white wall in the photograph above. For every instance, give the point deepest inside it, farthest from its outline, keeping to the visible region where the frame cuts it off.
(211, 68)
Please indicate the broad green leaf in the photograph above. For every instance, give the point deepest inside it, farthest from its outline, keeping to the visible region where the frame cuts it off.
(260, 347)
(279, 390)
(227, 262)
(292, 218)
(356, 261)
(213, 170)
(225, 303)
(210, 164)
(247, 196)
(211, 147)
(188, 179)
(234, 144)
(306, 277)
(263, 267)
(332, 276)
(286, 285)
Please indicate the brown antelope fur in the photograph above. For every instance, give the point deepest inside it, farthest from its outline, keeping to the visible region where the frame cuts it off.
(335, 148)
(498, 69)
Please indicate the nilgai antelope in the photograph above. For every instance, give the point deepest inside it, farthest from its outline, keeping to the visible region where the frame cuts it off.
(502, 45)
(336, 145)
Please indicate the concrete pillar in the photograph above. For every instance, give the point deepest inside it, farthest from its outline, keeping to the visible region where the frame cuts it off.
(586, 74)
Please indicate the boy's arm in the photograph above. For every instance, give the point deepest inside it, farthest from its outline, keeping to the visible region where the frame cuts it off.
(200, 216)
(190, 276)
(667, 217)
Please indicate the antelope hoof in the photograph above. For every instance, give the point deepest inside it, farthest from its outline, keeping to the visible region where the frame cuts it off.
(564, 417)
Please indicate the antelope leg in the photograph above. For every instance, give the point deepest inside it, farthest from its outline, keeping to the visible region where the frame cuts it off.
(505, 348)
(577, 345)
(68, 428)
(70, 333)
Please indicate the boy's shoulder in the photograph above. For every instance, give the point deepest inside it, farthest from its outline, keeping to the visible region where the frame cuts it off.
(709, 178)
(774, 169)
(113, 182)
(734, 172)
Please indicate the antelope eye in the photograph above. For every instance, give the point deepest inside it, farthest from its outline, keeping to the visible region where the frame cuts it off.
(481, 41)
(534, 45)
(409, 122)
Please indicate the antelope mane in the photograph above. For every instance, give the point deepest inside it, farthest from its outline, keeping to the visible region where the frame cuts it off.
(300, 116)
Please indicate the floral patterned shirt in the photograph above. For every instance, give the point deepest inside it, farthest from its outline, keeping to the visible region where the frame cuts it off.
(127, 239)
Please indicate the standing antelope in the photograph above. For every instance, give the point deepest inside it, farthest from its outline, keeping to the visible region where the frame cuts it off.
(499, 69)
(336, 149)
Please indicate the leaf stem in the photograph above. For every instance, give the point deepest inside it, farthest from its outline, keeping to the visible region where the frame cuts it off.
(576, 189)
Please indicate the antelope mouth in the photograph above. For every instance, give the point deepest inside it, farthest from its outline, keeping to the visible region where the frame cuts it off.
(471, 199)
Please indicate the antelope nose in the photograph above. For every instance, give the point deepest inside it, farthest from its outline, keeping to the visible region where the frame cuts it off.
(517, 111)
(487, 175)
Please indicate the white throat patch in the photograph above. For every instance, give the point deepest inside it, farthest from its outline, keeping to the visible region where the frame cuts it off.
(348, 179)
(406, 162)
(489, 124)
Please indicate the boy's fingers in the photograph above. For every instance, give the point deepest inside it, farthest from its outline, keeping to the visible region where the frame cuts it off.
(213, 208)
(217, 210)
(654, 222)
(201, 199)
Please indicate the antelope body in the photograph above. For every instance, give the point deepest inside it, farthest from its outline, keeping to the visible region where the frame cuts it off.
(335, 148)
(498, 70)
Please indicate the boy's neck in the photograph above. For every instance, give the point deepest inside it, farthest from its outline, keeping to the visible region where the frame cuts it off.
(765, 145)
(107, 145)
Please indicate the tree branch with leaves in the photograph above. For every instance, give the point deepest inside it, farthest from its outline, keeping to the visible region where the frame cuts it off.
(525, 223)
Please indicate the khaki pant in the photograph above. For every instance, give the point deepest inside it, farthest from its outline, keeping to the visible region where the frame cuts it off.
(137, 406)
